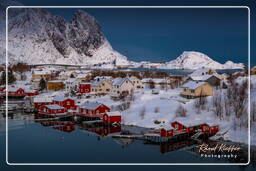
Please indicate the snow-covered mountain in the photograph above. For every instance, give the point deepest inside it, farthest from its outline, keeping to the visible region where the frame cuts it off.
(38, 37)
(196, 60)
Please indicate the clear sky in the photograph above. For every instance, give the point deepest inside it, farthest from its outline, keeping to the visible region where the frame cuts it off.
(163, 34)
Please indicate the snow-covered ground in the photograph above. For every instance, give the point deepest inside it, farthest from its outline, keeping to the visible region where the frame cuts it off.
(148, 108)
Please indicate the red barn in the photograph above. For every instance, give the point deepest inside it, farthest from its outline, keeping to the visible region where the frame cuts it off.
(52, 110)
(42, 101)
(65, 102)
(177, 125)
(112, 117)
(84, 88)
(13, 91)
(31, 92)
(93, 109)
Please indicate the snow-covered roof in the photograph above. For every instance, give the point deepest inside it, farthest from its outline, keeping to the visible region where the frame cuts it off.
(96, 83)
(54, 106)
(90, 105)
(203, 77)
(103, 78)
(55, 81)
(42, 99)
(115, 113)
(81, 75)
(119, 81)
(59, 98)
(193, 84)
(13, 89)
(36, 72)
(70, 80)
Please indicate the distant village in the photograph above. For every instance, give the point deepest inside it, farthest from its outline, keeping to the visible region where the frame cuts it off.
(60, 91)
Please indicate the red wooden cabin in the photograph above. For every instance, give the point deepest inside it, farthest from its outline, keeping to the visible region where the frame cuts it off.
(112, 117)
(42, 101)
(65, 102)
(205, 128)
(52, 110)
(177, 125)
(84, 88)
(13, 91)
(93, 109)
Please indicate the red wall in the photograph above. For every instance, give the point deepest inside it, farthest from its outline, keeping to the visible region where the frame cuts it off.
(84, 88)
(111, 119)
(174, 124)
(67, 103)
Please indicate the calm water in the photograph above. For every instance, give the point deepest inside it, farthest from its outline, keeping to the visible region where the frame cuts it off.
(44, 142)
(182, 72)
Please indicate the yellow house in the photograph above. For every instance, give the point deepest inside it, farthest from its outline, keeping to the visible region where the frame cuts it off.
(193, 89)
(101, 86)
(253, 71)
(55, 85)
(137, 83)
(40, 74)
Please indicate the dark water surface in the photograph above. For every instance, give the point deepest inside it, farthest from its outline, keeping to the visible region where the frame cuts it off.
(41, 142)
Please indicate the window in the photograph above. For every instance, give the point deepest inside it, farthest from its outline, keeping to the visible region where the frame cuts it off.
(118, 92)
(192, 91)
(176, 127)
(68, 102)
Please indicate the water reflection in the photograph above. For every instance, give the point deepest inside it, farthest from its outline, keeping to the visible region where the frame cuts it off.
(119, 134)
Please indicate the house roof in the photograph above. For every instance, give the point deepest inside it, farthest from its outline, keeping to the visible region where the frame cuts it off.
(70, 80)
(43, 99)
(54, 106)
(36, 72)
(59, 98)
(115, 113)
(203, 77)
(90, 105)
(193, 84)
(13, 89)
(54, 81)
(119, 81)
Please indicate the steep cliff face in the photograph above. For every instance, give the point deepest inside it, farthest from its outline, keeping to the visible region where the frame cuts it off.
(36, 36)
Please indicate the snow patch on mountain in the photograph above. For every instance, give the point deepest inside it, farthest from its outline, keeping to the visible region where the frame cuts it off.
(52, 40)
(197, 60)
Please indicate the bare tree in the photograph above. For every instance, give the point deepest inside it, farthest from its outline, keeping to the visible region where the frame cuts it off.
(253, 111)
(217, 105)
(200, 102)
(142, 112)
(181, 111)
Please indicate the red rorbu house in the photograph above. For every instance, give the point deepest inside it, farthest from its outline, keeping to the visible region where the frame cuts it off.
(42, 100)
(84, 88)
(112, 117)
(65, 102)
(13, 91)
(52, 110)
(93, 109)
(179, 128)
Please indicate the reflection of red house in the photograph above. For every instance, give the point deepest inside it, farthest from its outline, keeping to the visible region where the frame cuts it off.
(84, 88)
(67, 103)
(68, 127)
(93, 109)
(52, 110)
(104, 130)
(112, 117)
(13, 91)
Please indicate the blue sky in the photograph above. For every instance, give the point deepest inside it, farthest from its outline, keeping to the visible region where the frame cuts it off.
(163, 34)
